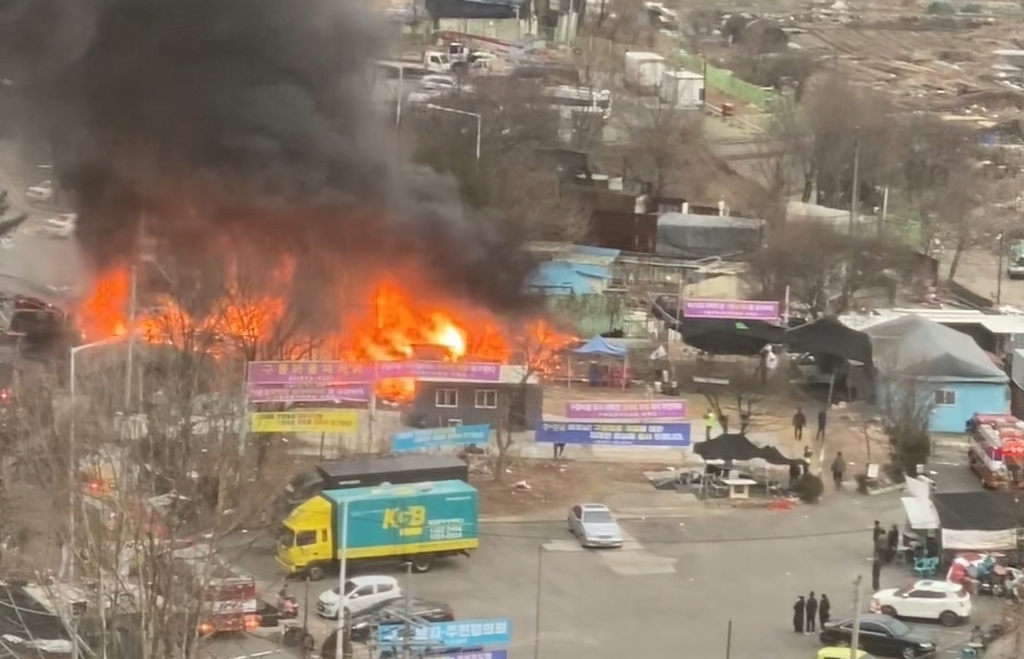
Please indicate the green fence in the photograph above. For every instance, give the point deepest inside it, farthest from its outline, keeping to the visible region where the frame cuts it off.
(724, 81)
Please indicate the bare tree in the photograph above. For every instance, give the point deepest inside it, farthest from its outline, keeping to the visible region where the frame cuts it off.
(660, 140)
(536, 346)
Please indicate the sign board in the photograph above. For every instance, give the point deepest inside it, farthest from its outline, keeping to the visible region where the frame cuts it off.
(324, 373)
(458, 634)
(732, 309)
(433, 438)
(358, 393)
(483, 654)
(630, 409)
(304, 421)
(616, 434)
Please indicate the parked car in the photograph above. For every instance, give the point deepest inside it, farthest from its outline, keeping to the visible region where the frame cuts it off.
(880, 635)
(391, 612)
(62, 226)
(360, 593)
(594, 525)
(947, 602)
(41, 192)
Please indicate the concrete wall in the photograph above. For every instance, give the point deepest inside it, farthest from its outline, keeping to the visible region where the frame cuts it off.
(426, 412)
(971, 397)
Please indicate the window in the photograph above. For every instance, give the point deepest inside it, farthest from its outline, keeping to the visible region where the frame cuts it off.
(385, 588)
(452, 423)
(305, 538)
(945, 397)
(873, 628)
(486, 399)
(446, 398)
(362, 592)
(927, 594)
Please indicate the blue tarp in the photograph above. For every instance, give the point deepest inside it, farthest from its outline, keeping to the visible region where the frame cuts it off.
(600, 346)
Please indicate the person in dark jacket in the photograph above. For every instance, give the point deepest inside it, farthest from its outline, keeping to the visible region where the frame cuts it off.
(824, 610)
(799, 421)
(798, 615)
(892, 541)
(822, 420)
(812, 612)
(876, 574)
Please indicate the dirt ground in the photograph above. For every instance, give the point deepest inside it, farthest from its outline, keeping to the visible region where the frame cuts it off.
(556, 485)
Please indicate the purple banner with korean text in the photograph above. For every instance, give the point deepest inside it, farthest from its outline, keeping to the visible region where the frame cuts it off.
(627, 409)
(333, 373)
(358, 393)
(732, 309)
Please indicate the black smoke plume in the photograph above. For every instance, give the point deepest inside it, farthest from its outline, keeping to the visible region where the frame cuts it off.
(247, 118)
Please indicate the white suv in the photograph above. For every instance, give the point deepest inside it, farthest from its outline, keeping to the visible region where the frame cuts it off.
(944, 601)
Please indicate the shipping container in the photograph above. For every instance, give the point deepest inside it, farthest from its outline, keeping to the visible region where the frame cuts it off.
(682, 89)
(415, 522)
(644, 71)
(370, 472)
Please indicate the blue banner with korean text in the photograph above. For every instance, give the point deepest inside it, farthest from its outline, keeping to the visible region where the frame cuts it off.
(435, 438)
(615, 434)
(458, 634)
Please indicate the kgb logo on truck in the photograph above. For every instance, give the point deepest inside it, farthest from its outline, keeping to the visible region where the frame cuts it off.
(409, 521)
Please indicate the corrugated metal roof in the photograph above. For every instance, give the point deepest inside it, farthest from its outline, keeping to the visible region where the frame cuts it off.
(995, 323)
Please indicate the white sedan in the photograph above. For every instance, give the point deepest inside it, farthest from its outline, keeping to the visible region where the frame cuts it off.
(594, 525)
(360, 593)
(41, 192)
(944, 601)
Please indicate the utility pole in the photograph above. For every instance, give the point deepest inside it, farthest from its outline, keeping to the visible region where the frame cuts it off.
(407, 642)
(855, 634)
(536, 622)
(132, 305)
(343, 648)
(855, 191)
(999, 269)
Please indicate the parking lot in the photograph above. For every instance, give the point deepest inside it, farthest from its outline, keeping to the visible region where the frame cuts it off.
(673, 587)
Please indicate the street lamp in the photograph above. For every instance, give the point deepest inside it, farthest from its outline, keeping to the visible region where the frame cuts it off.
(441, 108)
(71, 448)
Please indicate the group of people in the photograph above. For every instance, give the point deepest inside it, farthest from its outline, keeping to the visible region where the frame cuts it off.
(808, 612)
(800, 422)
(886, 544)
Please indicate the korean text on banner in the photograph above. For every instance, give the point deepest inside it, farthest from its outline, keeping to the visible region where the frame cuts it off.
(459, 634)
(618, 434)
(433, 438)
(731, 309)
(357, 393)
(304, 421)
(324, 373)
(632, 409)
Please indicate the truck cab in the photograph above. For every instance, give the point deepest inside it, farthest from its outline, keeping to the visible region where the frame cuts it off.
(304, 541)
(1015, 265)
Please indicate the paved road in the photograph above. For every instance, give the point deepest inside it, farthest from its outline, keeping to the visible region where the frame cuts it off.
(674, 587)
(32, 263)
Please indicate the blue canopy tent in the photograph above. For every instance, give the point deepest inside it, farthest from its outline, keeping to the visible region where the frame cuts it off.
(599, 346)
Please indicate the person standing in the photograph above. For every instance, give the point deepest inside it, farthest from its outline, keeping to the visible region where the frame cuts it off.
(798, 615)
(559, 449)
(876, 574)
(822, 419)
(838, 467)
(709, 425)
(824, 610)
(799, 421)
(812, 612)
(892, 541)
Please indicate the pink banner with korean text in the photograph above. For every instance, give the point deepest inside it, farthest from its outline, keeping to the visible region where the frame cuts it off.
(334, 373)
(732, 309)
(622, 410)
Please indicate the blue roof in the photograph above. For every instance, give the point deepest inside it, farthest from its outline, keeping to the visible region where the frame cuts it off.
(600, 346)
(564, 278)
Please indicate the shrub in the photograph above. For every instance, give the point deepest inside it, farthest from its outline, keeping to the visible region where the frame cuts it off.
(809, 488)
(940, 7)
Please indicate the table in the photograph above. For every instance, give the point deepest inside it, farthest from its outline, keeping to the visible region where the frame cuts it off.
(739, 488)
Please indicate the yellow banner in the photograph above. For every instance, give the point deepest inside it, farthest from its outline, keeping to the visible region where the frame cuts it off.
(304, 421)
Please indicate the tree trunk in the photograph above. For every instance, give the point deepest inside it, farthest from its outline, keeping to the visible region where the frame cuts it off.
(955, 263)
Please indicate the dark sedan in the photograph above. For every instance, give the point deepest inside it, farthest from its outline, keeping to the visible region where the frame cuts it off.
(391, 612)
(880, 635)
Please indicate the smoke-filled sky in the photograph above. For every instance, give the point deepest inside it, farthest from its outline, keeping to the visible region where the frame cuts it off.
(245, 117)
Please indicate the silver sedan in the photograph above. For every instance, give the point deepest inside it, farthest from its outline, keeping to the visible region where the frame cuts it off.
(594, 525)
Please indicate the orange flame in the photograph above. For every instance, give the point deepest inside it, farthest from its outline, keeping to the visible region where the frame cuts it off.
(399, 324)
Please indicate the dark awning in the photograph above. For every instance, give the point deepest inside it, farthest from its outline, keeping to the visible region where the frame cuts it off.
(980, 511)
(492, 9)
(827, 336)
(737, 447)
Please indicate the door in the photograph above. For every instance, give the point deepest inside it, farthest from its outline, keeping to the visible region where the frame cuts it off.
(359, 599)
(575, 520)
(306, 543)
(874, 638)
(384, 592)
